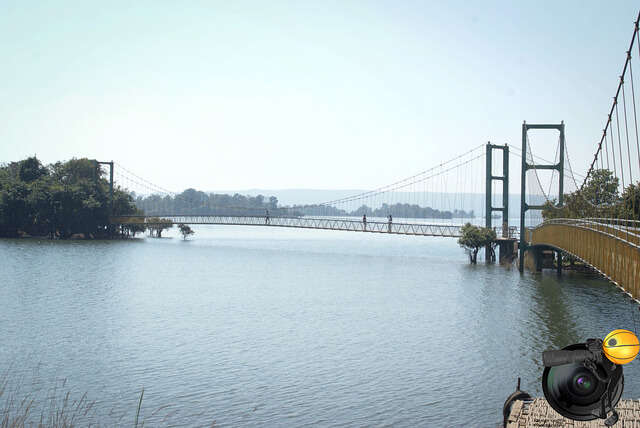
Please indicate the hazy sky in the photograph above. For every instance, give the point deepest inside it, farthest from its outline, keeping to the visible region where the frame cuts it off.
(323, 94)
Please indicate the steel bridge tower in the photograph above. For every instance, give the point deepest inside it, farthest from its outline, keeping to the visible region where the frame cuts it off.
(505, 185)
(490, 178)
(98, 163)
(524, 207)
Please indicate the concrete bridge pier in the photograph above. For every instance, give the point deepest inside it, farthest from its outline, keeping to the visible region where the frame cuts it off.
(538, 257)
(533, 259)
(507, 249)
(559, 262)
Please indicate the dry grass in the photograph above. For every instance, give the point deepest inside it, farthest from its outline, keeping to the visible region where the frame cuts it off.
(59, 407)
(53, 408)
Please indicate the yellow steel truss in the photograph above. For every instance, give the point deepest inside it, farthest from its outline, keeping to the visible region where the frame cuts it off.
(610, 246)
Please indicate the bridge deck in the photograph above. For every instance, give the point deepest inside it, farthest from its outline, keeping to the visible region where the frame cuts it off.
(422, 229)
(538, 413)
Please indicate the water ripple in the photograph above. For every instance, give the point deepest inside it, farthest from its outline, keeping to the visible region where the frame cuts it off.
(267, 327)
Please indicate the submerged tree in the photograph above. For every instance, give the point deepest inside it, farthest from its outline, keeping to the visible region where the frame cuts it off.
(473, 238)
(185, 230)
(157, 225)
(136, 225)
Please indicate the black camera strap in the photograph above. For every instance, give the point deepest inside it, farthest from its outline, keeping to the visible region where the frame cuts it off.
(613, 419)
(591, 366)
(605, 400)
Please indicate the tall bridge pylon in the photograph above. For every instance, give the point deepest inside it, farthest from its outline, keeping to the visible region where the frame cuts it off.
(490, 178)
(505, 184)
(110, 164)
(524, 207)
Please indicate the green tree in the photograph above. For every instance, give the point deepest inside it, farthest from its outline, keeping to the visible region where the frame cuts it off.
(14, 208)
(630, 207)
(185, 230)
(601, 188)
(31, 169)
(473, 238)
(273, 202)
(599, 194)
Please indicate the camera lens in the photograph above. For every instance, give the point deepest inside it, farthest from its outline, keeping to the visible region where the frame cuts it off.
(583, 384)
(575, 392)
(575, 384)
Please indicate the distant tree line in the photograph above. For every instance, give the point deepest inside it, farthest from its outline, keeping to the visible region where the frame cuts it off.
(195, 202)
(57, 200)
(410, 211)
(396, 210)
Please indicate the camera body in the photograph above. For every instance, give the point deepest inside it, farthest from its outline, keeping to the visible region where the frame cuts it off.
(580, 383)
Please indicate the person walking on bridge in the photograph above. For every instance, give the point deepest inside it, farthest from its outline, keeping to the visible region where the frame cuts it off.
(364, 222)
(390, 220)
(266, 217)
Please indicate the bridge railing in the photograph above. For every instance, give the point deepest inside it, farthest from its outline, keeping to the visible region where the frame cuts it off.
(624, 230)
(611, 246)
(620, 222)
(510, 232)
(328, 223)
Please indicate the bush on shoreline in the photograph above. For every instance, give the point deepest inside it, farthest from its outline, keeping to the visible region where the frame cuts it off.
(59, 200)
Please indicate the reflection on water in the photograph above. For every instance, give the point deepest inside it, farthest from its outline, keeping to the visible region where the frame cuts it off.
(269, 326)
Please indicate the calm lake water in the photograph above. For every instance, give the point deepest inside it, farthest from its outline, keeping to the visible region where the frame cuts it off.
(280, 327)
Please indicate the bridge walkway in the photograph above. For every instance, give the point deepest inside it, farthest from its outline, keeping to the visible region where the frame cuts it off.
(324, 223)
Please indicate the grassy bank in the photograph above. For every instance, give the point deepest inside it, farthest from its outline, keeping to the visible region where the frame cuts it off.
(59, 407)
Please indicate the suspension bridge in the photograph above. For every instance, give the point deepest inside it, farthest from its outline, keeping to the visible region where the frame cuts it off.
(593, 217)
(403, 207)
